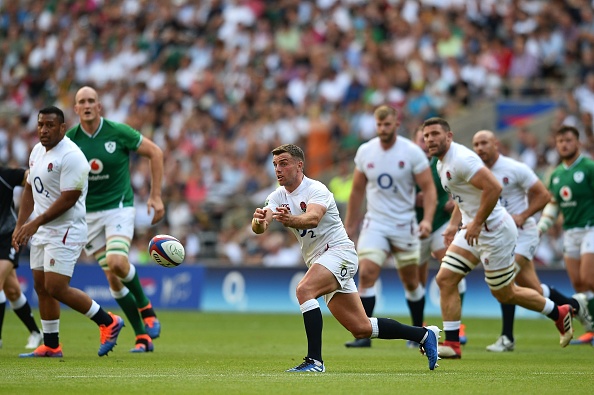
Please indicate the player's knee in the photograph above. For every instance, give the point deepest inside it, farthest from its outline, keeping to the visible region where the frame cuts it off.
(361, 330)
(12, 292)
(505, 295)
(303, 292)
(116, 255)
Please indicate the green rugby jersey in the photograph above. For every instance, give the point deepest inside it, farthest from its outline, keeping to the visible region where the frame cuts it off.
(108, 152)
(441, 215)
(573, 189)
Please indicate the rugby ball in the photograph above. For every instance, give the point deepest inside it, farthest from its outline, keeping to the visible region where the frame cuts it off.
(166, 250)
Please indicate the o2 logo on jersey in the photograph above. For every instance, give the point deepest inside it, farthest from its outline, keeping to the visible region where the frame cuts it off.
(565, 193)
(96, 166)
(505, 180)
(448, 175)
(303, 206)
(401, 164)
(385, 181)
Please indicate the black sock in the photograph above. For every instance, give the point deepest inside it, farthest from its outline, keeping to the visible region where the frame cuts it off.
(392, 329)
(368, 305)
(313, 322)
(561, 299)
(2, 309)
(508, 312)
(102, 318)
(147, 312)
(52, 340)
(453, 336)
(416, 311)
(24, 313)
(554, 315)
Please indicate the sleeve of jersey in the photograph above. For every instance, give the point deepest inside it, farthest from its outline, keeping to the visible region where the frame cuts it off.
(420, 160)
(468, 166)
(321, 196)
(272, 201)
(359, 159)
(526, 176)
(131, 138)
(75, 171)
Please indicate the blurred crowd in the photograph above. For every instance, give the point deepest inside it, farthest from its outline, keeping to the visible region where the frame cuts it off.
(218, 83)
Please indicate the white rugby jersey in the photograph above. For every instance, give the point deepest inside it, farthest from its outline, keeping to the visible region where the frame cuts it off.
(62, 168)
(516, 178)
(390, 189)
(456, 170)
(329, 233)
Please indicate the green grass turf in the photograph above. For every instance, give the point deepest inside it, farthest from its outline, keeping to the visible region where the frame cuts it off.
(204, 353)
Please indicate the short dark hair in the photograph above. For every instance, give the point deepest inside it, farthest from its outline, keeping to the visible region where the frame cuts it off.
(437, 121)
(568, 129)
(53, 110)
(291, 149)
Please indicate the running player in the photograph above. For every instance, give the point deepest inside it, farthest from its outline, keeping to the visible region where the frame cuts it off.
(307, 208)
(572, 188)
(388, 168)
(110, 207)
(55, 192)
(488, 235)
(523, 195)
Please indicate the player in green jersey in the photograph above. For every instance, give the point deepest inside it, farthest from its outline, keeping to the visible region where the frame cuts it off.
(110, 206)
(572, 189)
(434, 245)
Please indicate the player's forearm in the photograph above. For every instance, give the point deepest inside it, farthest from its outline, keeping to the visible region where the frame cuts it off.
(354, 208)
(62, 204)
(456, 217)
(156, 160)
(429, 204)
(489, 199)
(304, 221)
(26, 205)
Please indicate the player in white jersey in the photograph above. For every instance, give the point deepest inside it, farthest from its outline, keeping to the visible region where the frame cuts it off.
(308, 209)
(488, 235)
(387, 170)
(523, 195)
(55, 191)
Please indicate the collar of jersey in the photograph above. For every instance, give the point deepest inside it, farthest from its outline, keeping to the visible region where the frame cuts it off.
(92, 136)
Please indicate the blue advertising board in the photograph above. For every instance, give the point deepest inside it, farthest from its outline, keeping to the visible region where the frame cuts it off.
(268, 290)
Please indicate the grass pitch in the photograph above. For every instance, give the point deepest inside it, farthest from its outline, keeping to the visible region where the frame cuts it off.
(205, 353)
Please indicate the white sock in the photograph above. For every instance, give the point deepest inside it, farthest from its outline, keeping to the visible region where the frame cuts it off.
(366, 292)
(2, 297)
(451, 325)
(119, 294)
(50, 326)
(93, 310)
(416, 295)
(130, 274)
(20, 302)
(548, 307)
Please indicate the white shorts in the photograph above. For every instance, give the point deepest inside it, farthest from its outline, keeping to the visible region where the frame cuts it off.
(343, 263)
(55, 258)
(527, 239)
(377, 236)
(105, 224)
(495, 248)
(578, 241)
(433, 243)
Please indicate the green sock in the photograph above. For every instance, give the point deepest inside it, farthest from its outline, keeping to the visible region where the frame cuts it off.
(128, 305)
(136, 290)
(462, 298)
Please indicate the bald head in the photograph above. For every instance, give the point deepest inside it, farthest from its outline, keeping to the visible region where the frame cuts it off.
(485, 144)
(88, 108)
(86, 91)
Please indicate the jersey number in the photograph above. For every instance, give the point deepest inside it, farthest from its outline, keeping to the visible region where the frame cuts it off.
(39, 187)
(304, 232)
